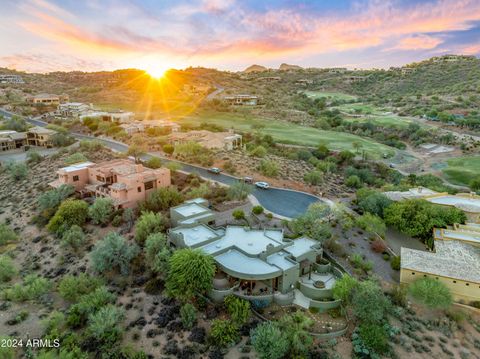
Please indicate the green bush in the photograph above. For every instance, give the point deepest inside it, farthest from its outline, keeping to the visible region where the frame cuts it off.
(314, 178)
(188, 314)
(224, 333)
(296, 329)
(48, 202)
(238, 308)
(353, 181)
(18, 171)
(149, 223)
(257, 210)
(168, 149)
(7, 269)
(343, 288)
(162, 199)
(71, 212)
(113, 252)
(431, 292)
(269, 341)
(258, 151)
(395, 263)
(74, 237)
(6, 352)
(238, 214)
(33, 157)
(154, 162)
(71, 287)
(372, 224)
(268, 168)
(157, 253)
(32, 288)
(239, 191)
(374, 337)
(75, 158)
(101, 211)
(7, 234)
(104, 325)
(87, 305)
(190, 273)
(369, 303)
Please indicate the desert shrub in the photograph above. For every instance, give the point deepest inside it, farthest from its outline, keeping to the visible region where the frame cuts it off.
(149, 223)
(101, 211)
(258, 151)
(358, 262)
(6, 352)
(74, 237)
(269, 341)
(374, 337)
(33, 157)
(202, 191)
(7, 269)
(296, 328)
(353, 181)
(268, 168)
(239, 191)
(72, 352)
(238, 214)
(343, 288)
(17, 170)
(398, 295)
(32, 288)
(113, 252)
(238, 308)
(369, 303)
(372, 201)
(314, 178)
(90, 146)
(224, 333)
(168, 149)
(71, 287)
(431, 292)
(188, 314)
(378, 246)
(395, 263)
(371, 223)
(257, 210)
(77, 157)
(190, 272)
(154, 162)
(7, 234)
(49, 201)
(162, 199)
(88, 304)
(157, 253)
(104, 325)
(62, 140)
(71, 212)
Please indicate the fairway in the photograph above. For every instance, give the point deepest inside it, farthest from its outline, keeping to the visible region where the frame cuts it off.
(462, 170)
(292, 134)
(332, 95)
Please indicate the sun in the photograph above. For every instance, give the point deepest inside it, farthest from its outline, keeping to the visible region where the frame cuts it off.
(156, 72)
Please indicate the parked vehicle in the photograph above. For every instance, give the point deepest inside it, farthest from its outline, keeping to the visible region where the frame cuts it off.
(262, 185)
(215, 170)
(248, 180)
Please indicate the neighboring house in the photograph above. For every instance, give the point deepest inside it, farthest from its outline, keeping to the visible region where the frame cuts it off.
(241, 100)
(355, 79)
(467, 202)
(269, 78)
(73, 109)
(132, 128)
(172, 126)
(304, 82)
(226, 140)
(257, 264)
(337, 70)
(40, 136)
(117, 116)
(48, 99)
(407, 70)
(11, 140)
(455, 262)
(11, 79)
(124, 181)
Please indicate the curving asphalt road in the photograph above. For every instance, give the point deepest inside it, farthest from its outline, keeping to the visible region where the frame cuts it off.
(283, 202)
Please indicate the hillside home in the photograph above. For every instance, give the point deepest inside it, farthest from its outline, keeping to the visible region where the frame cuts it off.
(223, 140)
(73, 109)
(304, 82)
(11, 79)
(355, 79)
(164, 124)
(124, 181)
(241, 100)
(40, 136)
(269, 78)
(337, 70)
(455, 262)
(257, 264)
(11, 140)
(47, 99)
(117, 116)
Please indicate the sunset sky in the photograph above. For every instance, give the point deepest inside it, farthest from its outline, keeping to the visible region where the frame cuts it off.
(47, 35)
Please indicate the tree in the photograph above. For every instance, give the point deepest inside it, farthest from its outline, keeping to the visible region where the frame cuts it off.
(374, 337)
(7, 269)
(475, 185)
(269, 341)
(357, 146)
(191, 272)
(74, 237)
(136, 151)
(431, 292)
(48, 202)
(113, 253)
(268, 168)
(239, 191)
(154, 162)
(321, 152)
(202, 191)
(224, 333)
(369, 303)
(238, 308)
(71, 212)
(101, 211)
(257, 210)
(173, 166)
(7, 234)
(18, 171)
(71, 287)
(163, 199)
(32, 288)
(33, 157)
(149, 223)
(295, 327)
(157, 253)
(372, 201)
(258, 151)
(238, 214)
(313, 222)
(314, 178)
(168, 149)
(343, 288)
(353, 181)
(188, 315)
(372, 224)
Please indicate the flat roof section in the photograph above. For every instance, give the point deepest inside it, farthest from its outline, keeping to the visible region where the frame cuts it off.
(463, 203)
(462, 235)
(300, 246)
(77, 166)
(196, 236)
(238, 264)
(280, 260)
(190, 209)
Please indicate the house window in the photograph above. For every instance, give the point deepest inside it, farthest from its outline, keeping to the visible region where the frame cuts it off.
(467, 284)
(75, 178)
(139, 189)
(148, 185)
(413, 273)
(454, 281)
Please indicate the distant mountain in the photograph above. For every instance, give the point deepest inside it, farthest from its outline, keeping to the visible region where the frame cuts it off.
(286, 67)
(255, 68)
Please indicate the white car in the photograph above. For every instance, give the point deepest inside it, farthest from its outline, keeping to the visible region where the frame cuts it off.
(262, 185)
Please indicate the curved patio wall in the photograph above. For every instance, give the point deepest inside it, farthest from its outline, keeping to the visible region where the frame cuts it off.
(314, 293)
(284, 299)
(324, 306)
(266, 297)
(218, 295)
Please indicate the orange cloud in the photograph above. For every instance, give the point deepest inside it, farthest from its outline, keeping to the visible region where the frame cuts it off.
(419, 42)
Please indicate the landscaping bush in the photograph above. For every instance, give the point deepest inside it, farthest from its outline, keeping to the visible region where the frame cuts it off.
(18, 171)
(77, 157)
(88, 304)
(257, 210)
(258, 151)
(374, 337)
(314, 178)
(372, 224)
(191, 272)
(239, 191)
(431, 292)
(188, 314)
(74, 237)
(168, 149)
(7, 234)
(104, 326)
(369, 303)
(48, 202)
(7, 269)
(296, 330)
(162, 199)
(343, 288)
(395, 263)
(71, 287)
(353, 182)
(378, 246)
(33, 157)
(269, 341)
(268, 168)
(101, 211)
(113, 252)
(154, 162)
(223, 333)
(32, 288)
(157, 253)
(71, 212)
(238, 308)
(149, 223)
(372, 201)
(238, 214)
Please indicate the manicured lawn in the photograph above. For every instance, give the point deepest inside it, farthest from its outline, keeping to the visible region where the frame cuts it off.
(462, 170)
(333, 95)
(288, 133)
(384, 120)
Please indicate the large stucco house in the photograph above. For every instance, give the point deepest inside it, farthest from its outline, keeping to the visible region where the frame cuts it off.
(124, 181)
(256, 264)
